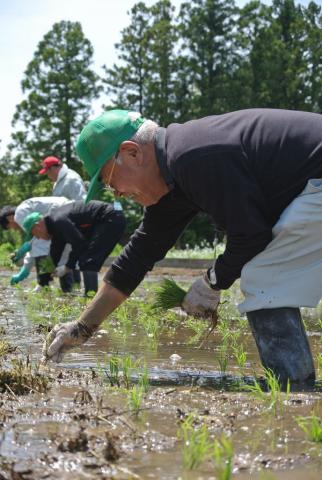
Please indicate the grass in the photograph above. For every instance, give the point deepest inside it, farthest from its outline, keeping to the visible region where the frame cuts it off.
(311, 426)
(6, 249)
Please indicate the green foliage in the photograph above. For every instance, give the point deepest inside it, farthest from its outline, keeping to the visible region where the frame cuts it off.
(6, 249)
(312, 427)
(59, 86)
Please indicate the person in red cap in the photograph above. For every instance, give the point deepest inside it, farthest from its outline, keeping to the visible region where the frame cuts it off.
(67, 182)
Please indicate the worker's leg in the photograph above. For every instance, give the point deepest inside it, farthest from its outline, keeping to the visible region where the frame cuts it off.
(66, 282)
(104, 238)
(283, 345)
(43, 279)
(76, 276)
(90, 281)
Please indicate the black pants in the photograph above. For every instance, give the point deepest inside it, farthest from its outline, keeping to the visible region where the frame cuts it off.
(90, 280)
(105, 236)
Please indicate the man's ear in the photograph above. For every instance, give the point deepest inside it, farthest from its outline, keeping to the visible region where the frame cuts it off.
(132, 152)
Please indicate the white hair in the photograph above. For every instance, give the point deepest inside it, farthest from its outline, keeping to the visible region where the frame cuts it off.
(146, 133)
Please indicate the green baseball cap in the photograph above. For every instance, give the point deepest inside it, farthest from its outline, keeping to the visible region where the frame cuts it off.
(100, 140)
(29, 222)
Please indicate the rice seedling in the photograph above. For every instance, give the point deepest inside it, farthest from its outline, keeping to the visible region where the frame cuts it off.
(144, 379)
(198, 326)
(222, 357)
(274, 397)
(134, 398)
(152, 327)
(196, 442)
(168, 295)
(114, 371)
(240, 355)
(127, 366)
(223, 456)
(311, 426)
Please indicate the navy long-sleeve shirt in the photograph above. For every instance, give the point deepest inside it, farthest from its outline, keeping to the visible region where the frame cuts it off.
(73, 224)
(242, 168)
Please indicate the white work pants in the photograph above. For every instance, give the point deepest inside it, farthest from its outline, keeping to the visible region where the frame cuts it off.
(288, 273)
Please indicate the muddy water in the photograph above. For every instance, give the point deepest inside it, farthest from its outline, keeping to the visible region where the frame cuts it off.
(83, 429)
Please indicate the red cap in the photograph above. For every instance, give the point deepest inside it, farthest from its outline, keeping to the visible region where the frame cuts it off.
(47, 163)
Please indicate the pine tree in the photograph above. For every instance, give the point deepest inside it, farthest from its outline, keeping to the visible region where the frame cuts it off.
(59, 86)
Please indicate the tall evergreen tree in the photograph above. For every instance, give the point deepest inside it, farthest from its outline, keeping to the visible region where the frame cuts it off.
(313, 56)
(143, 78)
(126, 81)
(277, 60)
(207, 28)
(59, 86)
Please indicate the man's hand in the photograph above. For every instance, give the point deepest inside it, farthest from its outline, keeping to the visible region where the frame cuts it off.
(201, 299)
(63, 337)
(61, 271)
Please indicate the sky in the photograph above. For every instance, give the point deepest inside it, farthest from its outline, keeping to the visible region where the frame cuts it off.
(23, 23)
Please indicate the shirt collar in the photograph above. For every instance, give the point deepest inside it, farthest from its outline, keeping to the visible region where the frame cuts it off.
(161, 154)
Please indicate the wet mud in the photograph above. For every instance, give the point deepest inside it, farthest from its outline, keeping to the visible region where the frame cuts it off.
(86, 418)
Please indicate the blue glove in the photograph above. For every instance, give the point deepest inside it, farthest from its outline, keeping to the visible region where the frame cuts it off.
(21, 275)
(21, 252)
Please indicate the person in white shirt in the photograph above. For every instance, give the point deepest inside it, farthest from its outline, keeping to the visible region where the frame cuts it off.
(33, 252)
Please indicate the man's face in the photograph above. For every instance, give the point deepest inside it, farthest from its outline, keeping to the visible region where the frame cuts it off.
(52, 172)
(11, 224)
(128, 177)
(39, 230)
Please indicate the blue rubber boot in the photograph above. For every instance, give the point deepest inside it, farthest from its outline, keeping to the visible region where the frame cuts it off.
(283, 346)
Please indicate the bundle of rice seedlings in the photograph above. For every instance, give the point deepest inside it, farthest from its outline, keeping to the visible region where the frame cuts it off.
(168, 295)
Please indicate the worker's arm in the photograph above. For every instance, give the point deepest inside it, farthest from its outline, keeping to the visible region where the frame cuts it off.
(69, 335)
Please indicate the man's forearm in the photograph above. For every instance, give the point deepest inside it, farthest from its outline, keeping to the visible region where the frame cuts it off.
(105, 302)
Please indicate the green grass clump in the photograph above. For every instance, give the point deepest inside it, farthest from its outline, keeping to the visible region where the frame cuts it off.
(168, 295)
(312, 427)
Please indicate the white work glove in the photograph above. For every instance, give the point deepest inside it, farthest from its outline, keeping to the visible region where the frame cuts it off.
(61, 271)
(201, 299)
(63, 337)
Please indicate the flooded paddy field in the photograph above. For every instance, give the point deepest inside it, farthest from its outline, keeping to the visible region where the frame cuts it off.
(98, 414)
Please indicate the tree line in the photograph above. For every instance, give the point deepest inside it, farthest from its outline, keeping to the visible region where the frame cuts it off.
(210, 57)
